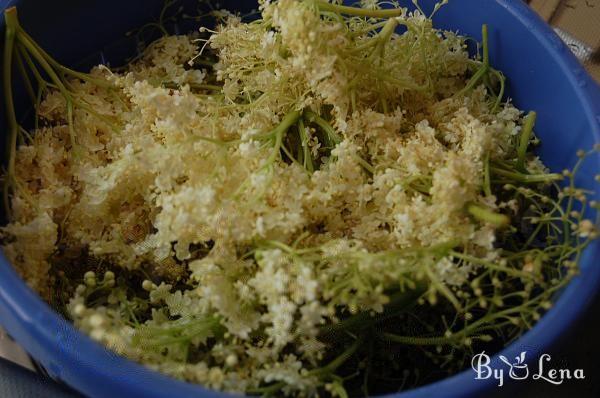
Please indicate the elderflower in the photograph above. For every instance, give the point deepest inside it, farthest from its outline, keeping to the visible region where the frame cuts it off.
(242, 208)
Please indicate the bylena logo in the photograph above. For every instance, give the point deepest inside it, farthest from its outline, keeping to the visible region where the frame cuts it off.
(519, 370)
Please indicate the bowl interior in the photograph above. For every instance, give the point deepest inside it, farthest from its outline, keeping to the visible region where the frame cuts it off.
(542, 74)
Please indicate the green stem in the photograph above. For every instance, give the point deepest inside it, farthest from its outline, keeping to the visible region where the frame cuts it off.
(443, 289)
(485, 67)
(288, 121)
(486, 49)
(368, 28)
(487, 186)
(488, 216)
(12, 23)
(104, 118)
(177, 86)
(364, 164)
(23, 35)
(34, 70)
(486, 56)
(339, 361)
(291, 156)
(567, 235)
(491, 265)
(33, 49)
(213, 87)
(25, 76)
(415, 340)
(359, 12)
(485, 323)
(307, 160)
(319, 372)
(398, 303)
(527, 178)
(440, 249)
(474, 80)
(385, 35)
(525, 137)
(382, 39)
(323, 124)
(38, 101)
(502, 80)
(268, 390)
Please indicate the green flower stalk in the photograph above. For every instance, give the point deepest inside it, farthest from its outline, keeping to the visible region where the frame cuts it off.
(524, 140)
(10, 16)
(356, 11)
(313, 203)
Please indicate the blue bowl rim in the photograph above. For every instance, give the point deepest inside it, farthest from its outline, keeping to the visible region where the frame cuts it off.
(20, 302)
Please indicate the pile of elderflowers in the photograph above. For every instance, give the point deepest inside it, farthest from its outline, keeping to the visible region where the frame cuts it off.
(326, 200)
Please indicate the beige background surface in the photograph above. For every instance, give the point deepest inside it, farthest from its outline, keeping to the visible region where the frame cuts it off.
(579, 18)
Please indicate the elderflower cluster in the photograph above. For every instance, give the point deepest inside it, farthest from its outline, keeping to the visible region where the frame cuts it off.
(181, 174)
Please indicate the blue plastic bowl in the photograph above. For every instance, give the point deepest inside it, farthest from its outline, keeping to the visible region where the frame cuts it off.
(543, 75)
